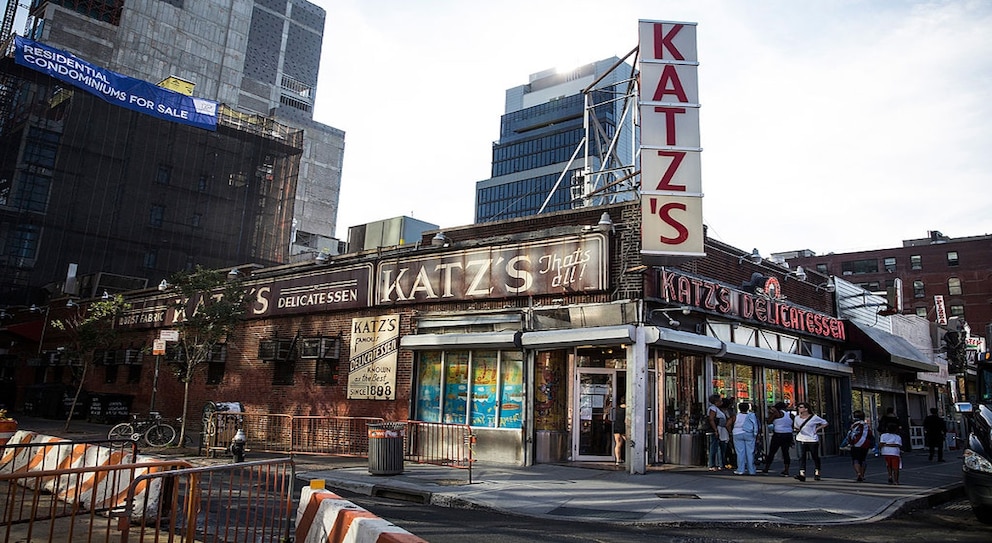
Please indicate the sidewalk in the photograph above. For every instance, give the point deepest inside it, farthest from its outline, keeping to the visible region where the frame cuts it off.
(667, 495)
(672, 495)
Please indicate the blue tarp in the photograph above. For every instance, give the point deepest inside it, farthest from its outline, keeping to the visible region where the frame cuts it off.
(112, 87)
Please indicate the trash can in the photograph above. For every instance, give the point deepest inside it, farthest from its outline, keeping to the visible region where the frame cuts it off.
(386, 448)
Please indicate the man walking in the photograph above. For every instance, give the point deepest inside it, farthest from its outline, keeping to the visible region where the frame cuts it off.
(934, 432)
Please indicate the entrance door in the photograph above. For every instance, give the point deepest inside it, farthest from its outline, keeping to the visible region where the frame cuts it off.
(594, 410)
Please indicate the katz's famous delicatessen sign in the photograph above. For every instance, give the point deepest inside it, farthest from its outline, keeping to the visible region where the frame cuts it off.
(681, 289)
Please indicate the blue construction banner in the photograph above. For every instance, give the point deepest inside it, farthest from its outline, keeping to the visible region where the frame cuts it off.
(128, 92)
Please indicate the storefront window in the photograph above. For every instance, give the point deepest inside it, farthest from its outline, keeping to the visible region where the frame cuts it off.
(429, 395)
(480, 388)
(685, 398)
(744, 384)
(512, 377)
(455, 387)
(484, 366)
(723, 379)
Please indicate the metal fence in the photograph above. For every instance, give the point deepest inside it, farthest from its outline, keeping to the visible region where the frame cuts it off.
(423, 442)
(248, 501)
(77, 504)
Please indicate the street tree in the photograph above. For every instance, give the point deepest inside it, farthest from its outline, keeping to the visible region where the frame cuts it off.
(88, 327)
(209, 305)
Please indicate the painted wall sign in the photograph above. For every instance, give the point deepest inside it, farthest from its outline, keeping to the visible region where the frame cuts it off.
(127, 92)
(671, 188)
(372, 368)
(345, 288)
(682, 289)
(574, 264)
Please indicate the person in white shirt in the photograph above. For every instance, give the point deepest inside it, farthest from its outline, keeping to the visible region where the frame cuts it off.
(781, 421)
(890, 445)
(807, 426)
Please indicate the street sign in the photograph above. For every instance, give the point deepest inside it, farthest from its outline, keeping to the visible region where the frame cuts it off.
(158, 347)
(169, 335)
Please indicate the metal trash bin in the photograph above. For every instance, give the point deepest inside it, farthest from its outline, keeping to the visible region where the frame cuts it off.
(386, 448)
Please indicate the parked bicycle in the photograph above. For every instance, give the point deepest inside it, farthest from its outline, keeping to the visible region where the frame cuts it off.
(154, 431)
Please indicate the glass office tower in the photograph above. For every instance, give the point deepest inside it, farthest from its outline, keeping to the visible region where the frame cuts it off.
(540, 161)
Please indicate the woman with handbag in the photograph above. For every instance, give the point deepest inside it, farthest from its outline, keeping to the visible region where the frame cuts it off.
(807, 427)
(781, 421)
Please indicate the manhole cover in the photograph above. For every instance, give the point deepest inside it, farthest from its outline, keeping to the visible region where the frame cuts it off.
(677, 496)
(597, 513)
(811, 515)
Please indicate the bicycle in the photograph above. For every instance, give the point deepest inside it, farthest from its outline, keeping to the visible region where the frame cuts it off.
(153, 430)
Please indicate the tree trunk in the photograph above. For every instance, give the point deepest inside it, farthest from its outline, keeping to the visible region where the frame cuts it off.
(182, 424)
(79, 389)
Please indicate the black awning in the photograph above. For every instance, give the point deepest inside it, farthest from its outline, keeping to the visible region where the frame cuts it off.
(888, 347)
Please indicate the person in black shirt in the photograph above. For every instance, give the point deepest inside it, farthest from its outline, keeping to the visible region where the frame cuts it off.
(934, 431)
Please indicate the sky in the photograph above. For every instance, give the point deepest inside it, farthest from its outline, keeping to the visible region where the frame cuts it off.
(833, 126)
(829, 125)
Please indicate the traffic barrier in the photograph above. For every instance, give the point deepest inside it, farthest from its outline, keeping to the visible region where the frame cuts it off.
(29, 452)
(325, 517)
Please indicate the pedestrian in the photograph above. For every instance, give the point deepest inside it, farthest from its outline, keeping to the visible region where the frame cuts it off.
(745, 430)
(807, 426)
(861, 440)
(729, 455)
(716, 419)
(888, 418)
(934, 434)
(781, 421)
(619, 432)
(891, 445)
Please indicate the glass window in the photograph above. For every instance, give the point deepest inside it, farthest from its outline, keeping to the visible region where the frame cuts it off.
(512, 391)
(156, 215)
(916, 262)
(789, 344)
(868, 265)
(954, 286)
(22, 242)
(429, 387)
(918, 291)
(216, 364)
(889, 263)
(32, 193)
(822, 268)
(952, 258)
(163, 174)
(484, 387)
(957, 310)
(485, 365)
(921, 312)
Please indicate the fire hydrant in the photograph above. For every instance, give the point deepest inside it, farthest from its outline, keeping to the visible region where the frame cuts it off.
(238, 445)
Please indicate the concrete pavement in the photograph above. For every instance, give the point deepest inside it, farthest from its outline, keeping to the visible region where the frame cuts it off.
(672, 495)
(604, 493)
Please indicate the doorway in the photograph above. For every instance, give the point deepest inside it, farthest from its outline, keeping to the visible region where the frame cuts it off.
(597, 395)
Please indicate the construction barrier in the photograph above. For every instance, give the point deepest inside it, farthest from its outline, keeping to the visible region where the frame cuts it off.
(325, 517)
(71, 471)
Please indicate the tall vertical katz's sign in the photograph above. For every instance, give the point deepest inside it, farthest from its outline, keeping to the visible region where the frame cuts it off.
(671, 186)
(372, 369)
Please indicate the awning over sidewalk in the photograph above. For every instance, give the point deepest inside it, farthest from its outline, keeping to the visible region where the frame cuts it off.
(880, 345)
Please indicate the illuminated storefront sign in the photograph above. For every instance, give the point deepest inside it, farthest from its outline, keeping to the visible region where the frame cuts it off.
(714, 297)
(671, 187)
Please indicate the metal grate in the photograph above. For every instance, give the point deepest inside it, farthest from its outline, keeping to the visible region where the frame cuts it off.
(596, 513)
(811, 515)
(677, 496)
